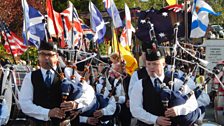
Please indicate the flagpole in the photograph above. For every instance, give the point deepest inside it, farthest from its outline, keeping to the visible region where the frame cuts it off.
(186, 20)
(72, 26)
(8, 42)
(24, 17)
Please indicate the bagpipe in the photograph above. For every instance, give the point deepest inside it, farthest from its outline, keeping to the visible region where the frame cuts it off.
(170, 97)
(11, 77)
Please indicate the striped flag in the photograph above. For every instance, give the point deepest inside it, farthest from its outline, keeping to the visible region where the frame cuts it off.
(200, 19)
(177, 8)
(75, 22)
(89, 33)
(13, 41)
(54, 21)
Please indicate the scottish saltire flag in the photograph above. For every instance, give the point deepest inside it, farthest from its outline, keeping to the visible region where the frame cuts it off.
(113, 12)
(97, 23)
(200, 19)
(33, 25)
(54, 21)
(13, 42)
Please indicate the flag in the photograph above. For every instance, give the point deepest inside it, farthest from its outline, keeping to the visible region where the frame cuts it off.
(131, 62)
(124, 39)
(54, 21)
(33, 25)
(89, 33)
(171, 2)
(128, 29)
(75, 31)
(200, 19)
(12, 41)
(113, 12)
(97, 23)
(163, 22)
(177, 7)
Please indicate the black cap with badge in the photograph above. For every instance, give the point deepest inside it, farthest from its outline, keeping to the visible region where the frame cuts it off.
(50, 46)
(154, 53)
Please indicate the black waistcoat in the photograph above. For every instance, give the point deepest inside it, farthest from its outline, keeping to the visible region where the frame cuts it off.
(47, 97)
(142, 73)
(44, 96)
(151, 99)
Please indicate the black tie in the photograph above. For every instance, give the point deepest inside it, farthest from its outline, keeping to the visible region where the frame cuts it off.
(48, 78)
(157, 83)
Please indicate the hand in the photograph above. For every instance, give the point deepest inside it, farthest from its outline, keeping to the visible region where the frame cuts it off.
(92, 121)
(56, 113)
(74, 114)
(163, 121)
(116, 98)
(128, 103)
(170, 112)
(68, 105)
(98, 114)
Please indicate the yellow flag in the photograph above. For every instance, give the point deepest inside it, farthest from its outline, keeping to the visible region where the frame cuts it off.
(131, 62)
(171, 2)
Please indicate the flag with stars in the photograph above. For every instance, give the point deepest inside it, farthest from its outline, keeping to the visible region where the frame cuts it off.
(163, 22)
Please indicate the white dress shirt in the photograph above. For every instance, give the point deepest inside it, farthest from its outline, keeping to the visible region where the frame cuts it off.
(26, 98)
(136, 103)
(88, 99)
(28, 107)
(119, 92)
(133, 80)
(109, 109)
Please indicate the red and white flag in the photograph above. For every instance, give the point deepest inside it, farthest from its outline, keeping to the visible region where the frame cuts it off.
(126, 36)
(75, 22)
(14, 42)
(177, 7)
(54, 21)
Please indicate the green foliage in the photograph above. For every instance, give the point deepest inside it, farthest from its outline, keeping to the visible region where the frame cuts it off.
(103, 49)
(30, 55)
(60, 5)
(218, 6)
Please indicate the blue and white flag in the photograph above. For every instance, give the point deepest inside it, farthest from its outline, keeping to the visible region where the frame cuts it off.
(97, 23)
(200, 19)
(113, 12)
(33, 25)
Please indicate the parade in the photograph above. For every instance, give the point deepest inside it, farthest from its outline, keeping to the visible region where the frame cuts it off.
(138, 66)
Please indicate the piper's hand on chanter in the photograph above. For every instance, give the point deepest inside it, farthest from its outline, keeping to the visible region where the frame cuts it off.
(68, 105)
(74, 114)
(163, 121)
(170, 112)
(92, 121)
(98, 114)
(56, 113)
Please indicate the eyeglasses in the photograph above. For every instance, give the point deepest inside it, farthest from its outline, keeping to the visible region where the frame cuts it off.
(47, 54)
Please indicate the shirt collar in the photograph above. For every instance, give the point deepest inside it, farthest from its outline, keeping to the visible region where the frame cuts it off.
(161, 78)
(44, 71)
